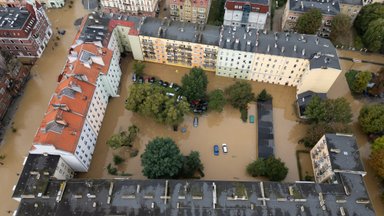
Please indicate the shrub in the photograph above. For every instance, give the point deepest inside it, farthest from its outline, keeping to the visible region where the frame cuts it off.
(244, 114)
(117, 159)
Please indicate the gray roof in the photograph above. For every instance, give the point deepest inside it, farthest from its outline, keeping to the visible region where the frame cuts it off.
(325, 6)
(351, 2)
(263, 2)
(319, 51)
(266, 143)
(194, 197)
(13, 18)
(37, 171)
(348, 157)
(181, 31)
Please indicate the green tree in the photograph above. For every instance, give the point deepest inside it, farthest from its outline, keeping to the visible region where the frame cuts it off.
(217, 100)
(123, 138)
(368, 14)
(264, 96)
(2, 157)
(371, 118)
(138, 68)
(373, 38)
(194, 84)
(111, 170)
(309, 22)
(378, 144)
(117, 159)
(272, 168)
(192, 164)
(376, 161)
(151, 101)
(161, 159)
(361, 81)
(316, 131)
(329, 110)
(340, 27)
(240, 94)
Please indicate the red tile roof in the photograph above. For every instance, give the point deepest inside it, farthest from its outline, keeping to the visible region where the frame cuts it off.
(230, 5)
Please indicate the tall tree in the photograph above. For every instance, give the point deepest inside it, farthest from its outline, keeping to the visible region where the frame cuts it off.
(329, 110)
(309, 22)
(361, 81)
(192, 164)
(217, 100)
(368, 14)
(240, 94)
(373, 38)
(161, 159)
(376, 161)
(272, 168)
(194, 84)
(340, 27)
(316, 131)
(378, 144)
(138, 67)
(371, 118)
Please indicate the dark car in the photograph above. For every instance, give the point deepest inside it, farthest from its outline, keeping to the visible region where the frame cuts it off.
(151, 79)
(216, 150)
(140, 80)
(165, 84)
(160, 82)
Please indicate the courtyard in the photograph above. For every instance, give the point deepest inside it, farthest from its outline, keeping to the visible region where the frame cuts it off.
(214, 128)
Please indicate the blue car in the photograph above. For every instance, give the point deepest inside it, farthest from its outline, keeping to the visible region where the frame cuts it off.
(216, 150)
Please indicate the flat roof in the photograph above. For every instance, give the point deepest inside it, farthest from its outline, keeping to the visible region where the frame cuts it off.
(266, 143)
(195, 197)
(180, 31)
(37, 171)
(13, 17)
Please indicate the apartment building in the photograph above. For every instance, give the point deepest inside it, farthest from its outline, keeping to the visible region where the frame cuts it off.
(304, 61)
(24, 31)
(90, 76)
(13, 76)
(38, 170)
(295, 8)
(178, 43)
(131, 7)
(334, 154)
(44, 3)
(194, 11)
(252, 14)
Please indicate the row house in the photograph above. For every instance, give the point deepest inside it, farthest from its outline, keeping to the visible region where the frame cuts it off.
(194, 11)
(24, 31)
(178, 43)
(44, 3)
(131, 7)
(252, 14)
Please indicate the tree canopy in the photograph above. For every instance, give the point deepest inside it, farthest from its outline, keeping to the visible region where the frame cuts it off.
(361, 81)
(371, 118)
(368, 14)
(138, 67)
(194, 84)
(240, 94)
(151, 101)
(217, 100)
(309, 22)
(192, 164)
(272, 168)
(123, 138)
(329, 110)
(376, 161)
(161, 159)
(378, 144)
(340, 27)
(316, 131)
(373, 38)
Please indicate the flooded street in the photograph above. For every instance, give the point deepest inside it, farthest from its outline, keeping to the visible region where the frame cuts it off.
(213, 128)
(34, 102)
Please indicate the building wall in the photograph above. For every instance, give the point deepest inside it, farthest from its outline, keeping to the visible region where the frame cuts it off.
(178, 53)
(255, 20)
(63, 171)
(131, 7)
(318, 80)
(321, 162)
(234, 64)
(187, 11)
(53, 3)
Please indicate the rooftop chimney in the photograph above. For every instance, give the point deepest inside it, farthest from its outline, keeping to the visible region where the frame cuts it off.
(303, 52)
(302, 5)
(317, 41)
(282, 49)
(237, 40)
(268, 48)
(294, 48)
(245, 35)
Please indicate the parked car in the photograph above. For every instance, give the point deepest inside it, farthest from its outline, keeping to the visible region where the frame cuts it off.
(151, 79)
(160, 82)
(171, 85)
(225, 148)
(176, 87)
(216, 150)
(165, 84)
(140, 80)
(134, 77)
(196, 121)
(180, 98)
(169, 94)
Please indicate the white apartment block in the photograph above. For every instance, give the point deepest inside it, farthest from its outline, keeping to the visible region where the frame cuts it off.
(252, 14)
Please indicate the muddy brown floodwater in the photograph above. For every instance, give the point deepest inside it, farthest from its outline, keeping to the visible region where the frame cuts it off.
(34, 101)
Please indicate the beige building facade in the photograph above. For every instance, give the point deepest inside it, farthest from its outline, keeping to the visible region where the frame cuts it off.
(189, 10)
(131, 7)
